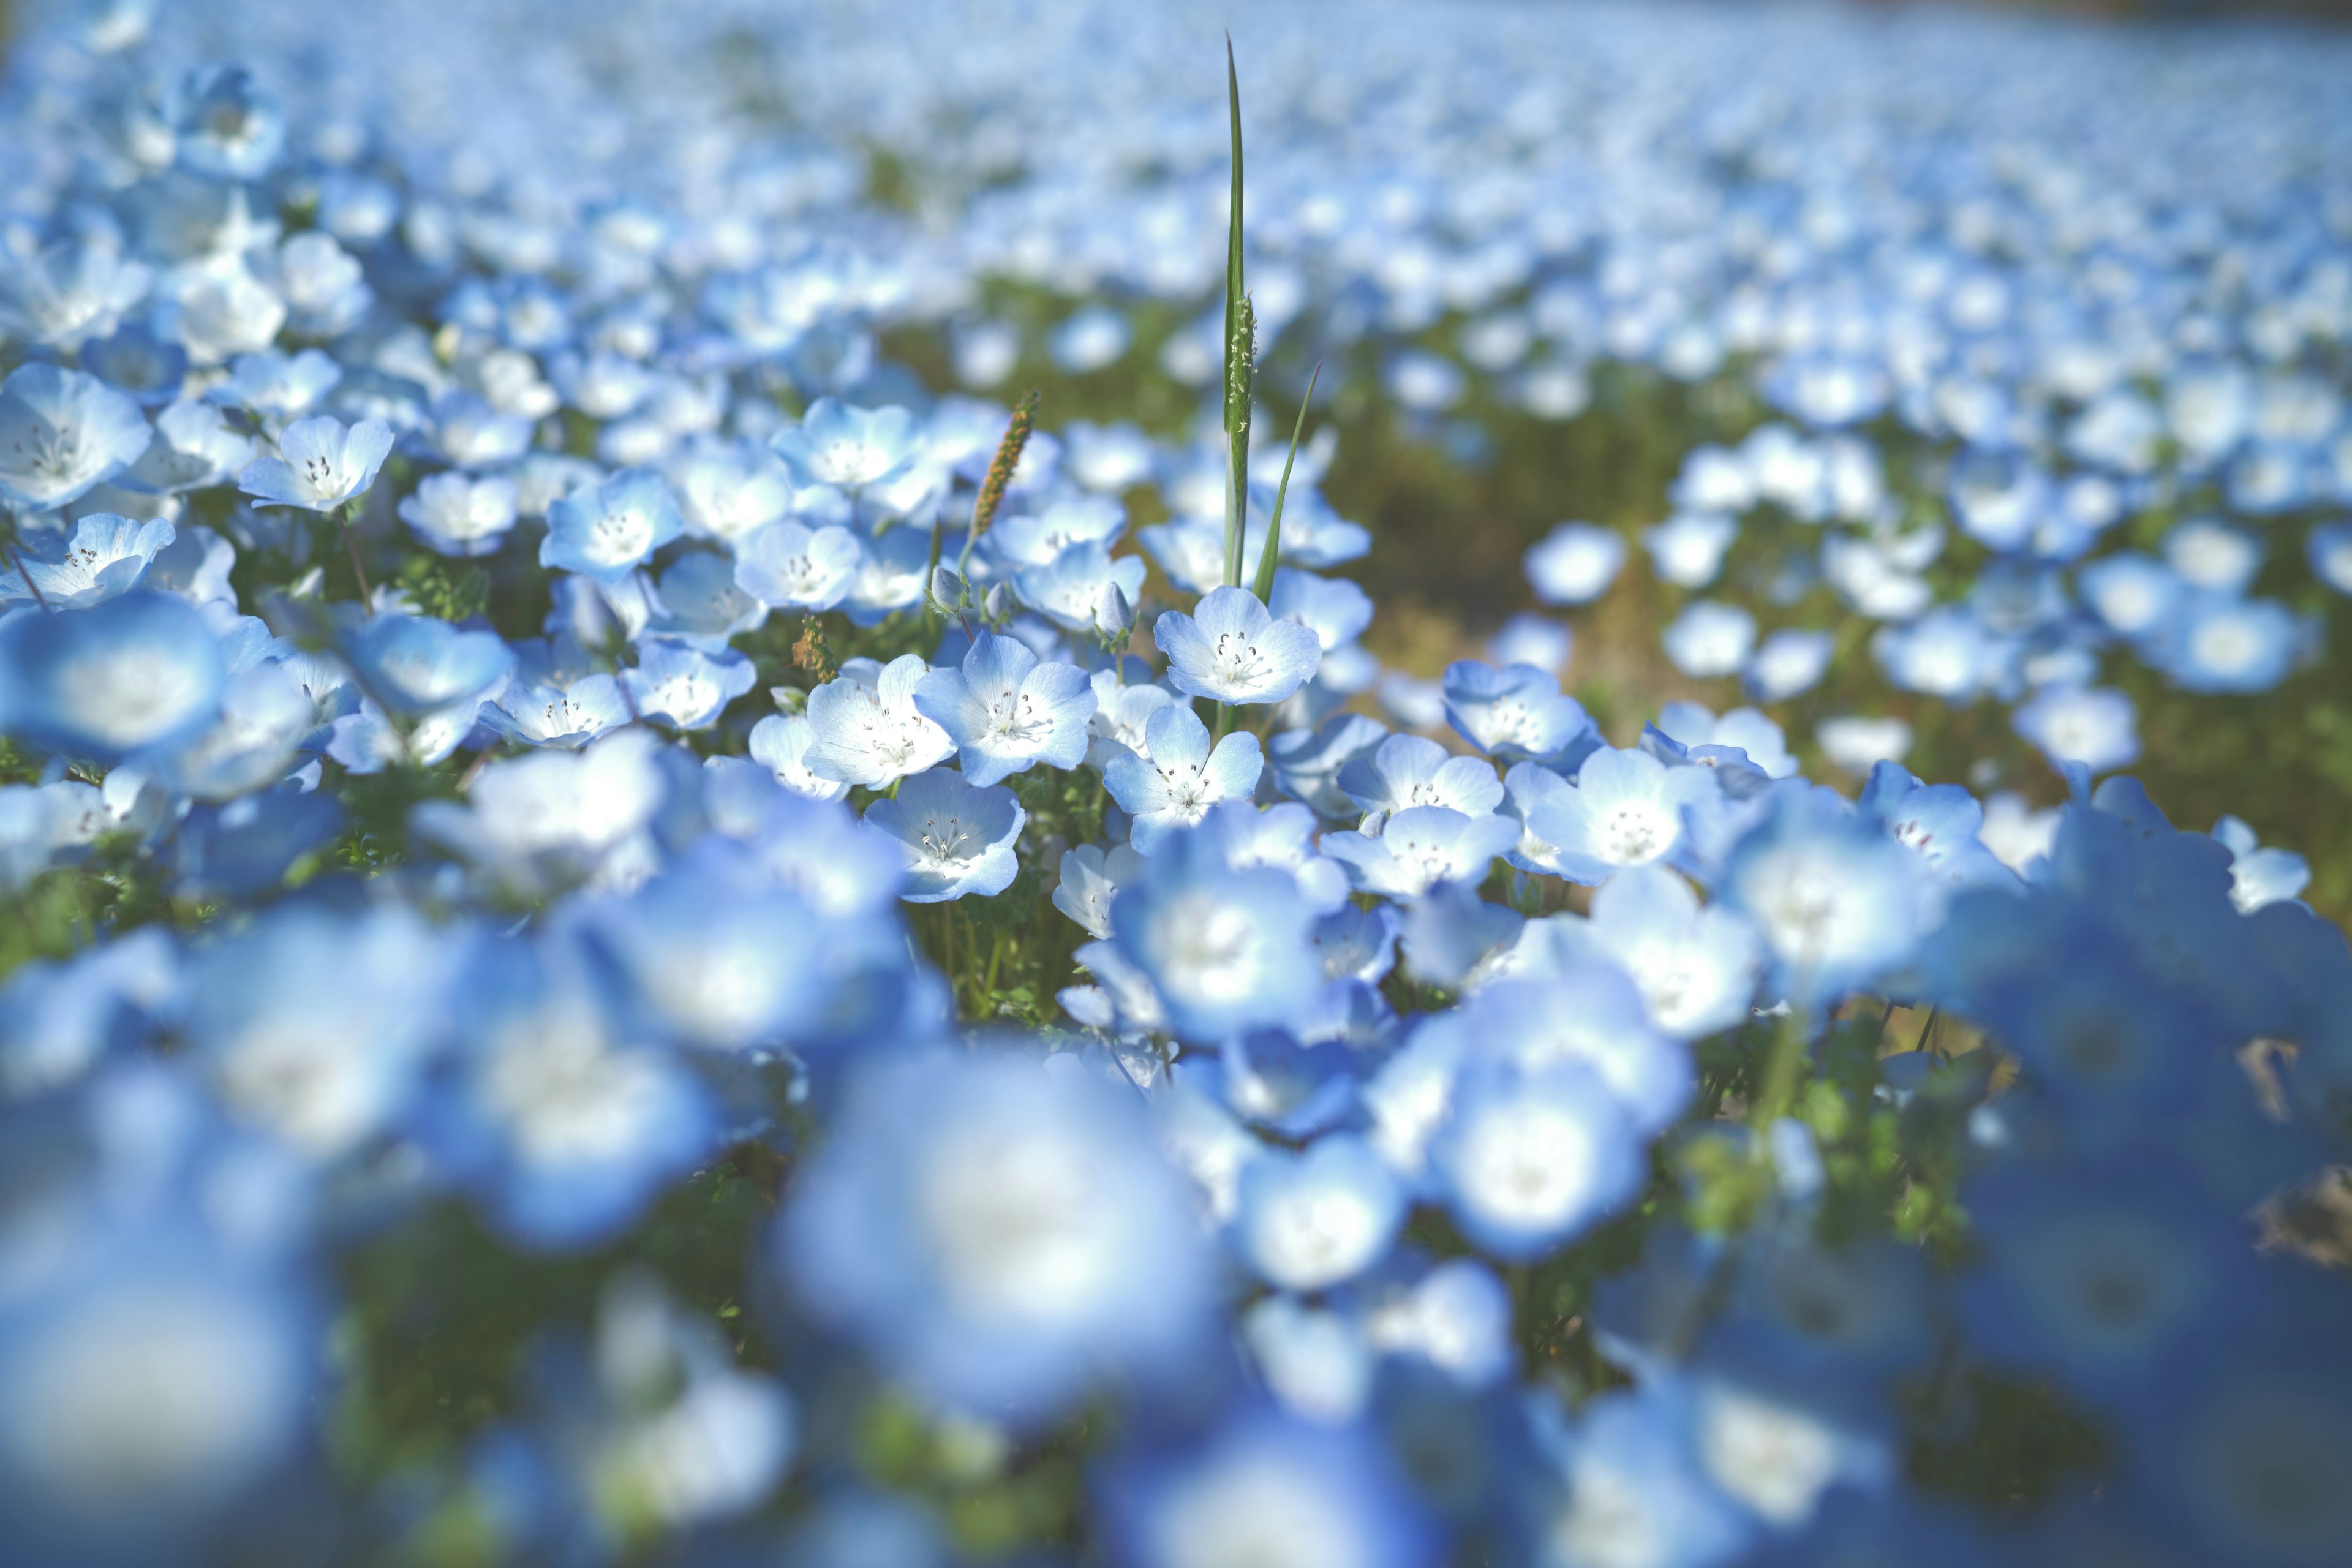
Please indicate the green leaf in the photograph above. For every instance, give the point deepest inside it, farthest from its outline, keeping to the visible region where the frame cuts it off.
(1266, 557)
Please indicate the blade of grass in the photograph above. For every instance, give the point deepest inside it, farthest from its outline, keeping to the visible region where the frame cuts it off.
(1265, 557)
(1240, 334)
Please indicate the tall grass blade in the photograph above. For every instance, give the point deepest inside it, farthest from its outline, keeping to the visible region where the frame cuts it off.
(1266, 557)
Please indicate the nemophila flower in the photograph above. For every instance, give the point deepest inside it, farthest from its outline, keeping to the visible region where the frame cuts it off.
(1710, 638)
(63, 433)
(104, 556)
(2229, 645)
(152, 1383)
(1315, 1362)
(460, 516)
(1231, 650)
(278, 386)
(1407, 770)
(563, 1134)
(1415, 848)
(565, 717)
(2102, 1277)
(780, 742)
(1449, 934)
(791, 566)
(700, 604)
(607, 530)
(1836, 903)
(1006, 711)
(2133, 594)
(866, 727)
(1624, 809)
(1271, 1488)
(141, 671)
(1946, 653)
(2090, 725)
(1632, 1490)
(685, 687)
(1574, 563)
(1526, 1161)
(849, 448)
(1937, 823)
(1708, 740)
(1788, 663)
(1337, 610)
(229, 126)
(1176, 778)
(1779, 1444)
(1590, 1013)
(1088, 879)
(132, 359)
(2259, 875)
(1225, 949)
(728, 490)
(1517, 713)
(265, 716)
(1282, 836)
(1307, 762)
(1858, 742)
(1532, 640)
(2328, 548)
(1686, 550)
(1035, 538)
(1696, 967)
(320, 464)
(468, 431)
(1082, 589)
(415, 664)
(999, 1239)
(72, 292)
(1310, 1221)
(1122, 708)
(2212, 557)
(957, 837)
(1294, 1088)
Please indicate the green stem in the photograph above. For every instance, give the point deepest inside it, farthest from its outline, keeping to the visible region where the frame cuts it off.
(352, 546)
(1778, 1089)
(1224, 723)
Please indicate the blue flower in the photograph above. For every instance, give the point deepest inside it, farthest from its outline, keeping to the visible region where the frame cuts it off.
(104, 556)
(1408, 769)
(780, 742)
(1415, 848)
(1310, 1221)
(2224, 644)
(1518, 713)
(1082, 589)
(1709, 638)
(1006, 711)
(1788, 663)
(62, 433)
(140, 673)
(229, 126)
(1625, 808)
(416, 665)
(1694, 967)
(1527, 1162)
(683, 686)
(999, 1238)
(865, 727)
(607, 530)
(564, 1134)
(566, 717)
(457, 515)
(1175, 780)
(1307, 762)
(320, 464)
(1231, 650)
(848, 448)
(1686, 550)
(1574, 563)
(957, 837)
(789, 565)
(1226, 950)
(1592, 1014)
(1837, 903)
(2259, 875)
(1265, 1486)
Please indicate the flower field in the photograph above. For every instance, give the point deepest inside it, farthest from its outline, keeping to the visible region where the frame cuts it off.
(1500, 784)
